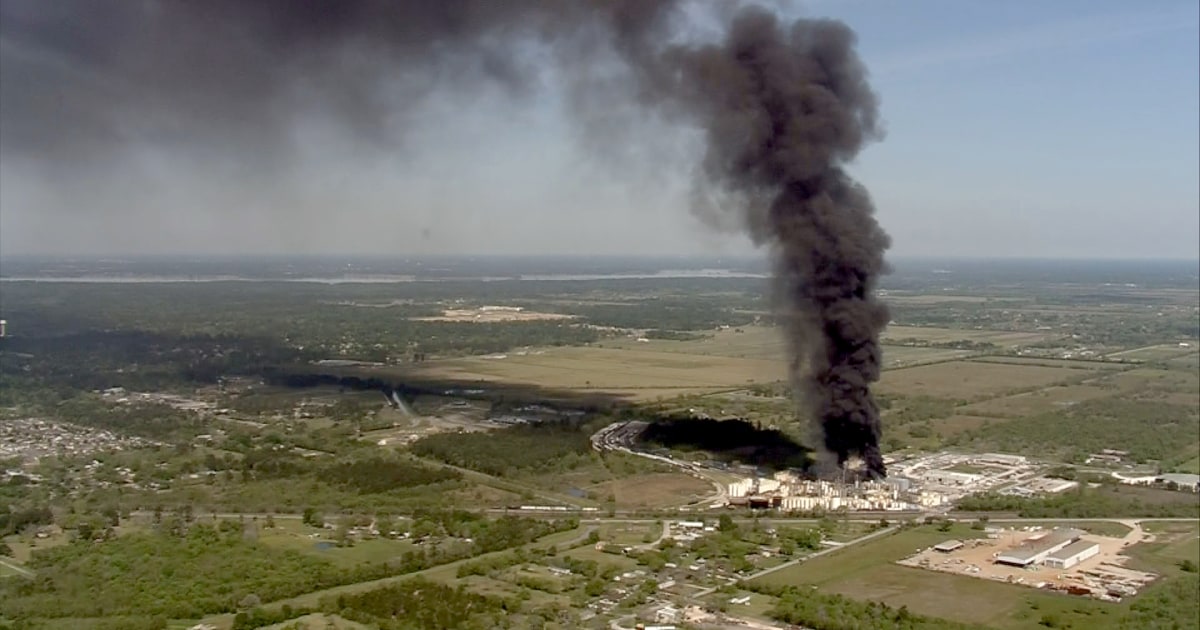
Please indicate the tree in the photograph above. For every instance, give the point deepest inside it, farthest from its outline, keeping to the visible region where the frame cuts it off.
(312, 518)
(725, 524)
(269, 523)
(5, 550)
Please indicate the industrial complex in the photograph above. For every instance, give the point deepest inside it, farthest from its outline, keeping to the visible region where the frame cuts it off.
(1064, 559)
(920, 483)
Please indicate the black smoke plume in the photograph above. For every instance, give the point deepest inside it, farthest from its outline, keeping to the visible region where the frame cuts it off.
(782, 106)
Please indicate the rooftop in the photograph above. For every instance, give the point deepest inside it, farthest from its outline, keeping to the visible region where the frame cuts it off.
(1032, 548)
(1072, 549)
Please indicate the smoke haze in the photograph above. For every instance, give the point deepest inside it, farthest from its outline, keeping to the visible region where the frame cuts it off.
(780, 106)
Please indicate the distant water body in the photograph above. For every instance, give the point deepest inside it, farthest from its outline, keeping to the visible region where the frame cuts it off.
(385, 278)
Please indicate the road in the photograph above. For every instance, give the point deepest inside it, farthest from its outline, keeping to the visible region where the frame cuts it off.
(861, 539)
(666, 531)
(18, 569)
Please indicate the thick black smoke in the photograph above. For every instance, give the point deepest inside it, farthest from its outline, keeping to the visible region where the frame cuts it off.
(782, 106)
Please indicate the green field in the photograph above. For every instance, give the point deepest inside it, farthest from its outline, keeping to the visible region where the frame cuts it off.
(973, 380)
(1003, 338)
(292, 534)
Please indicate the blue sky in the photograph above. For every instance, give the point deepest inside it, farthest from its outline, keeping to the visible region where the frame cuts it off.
(1014, 128)
(1034, 128)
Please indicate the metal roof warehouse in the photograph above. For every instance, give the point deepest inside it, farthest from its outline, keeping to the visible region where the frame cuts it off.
(1035, 551)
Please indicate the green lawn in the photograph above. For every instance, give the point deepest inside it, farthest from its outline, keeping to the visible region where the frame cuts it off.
(865, 557)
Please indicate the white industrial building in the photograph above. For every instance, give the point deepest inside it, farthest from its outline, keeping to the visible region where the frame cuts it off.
(1038, 549)
(1072, 554)
(1002, 459)
(952, 478)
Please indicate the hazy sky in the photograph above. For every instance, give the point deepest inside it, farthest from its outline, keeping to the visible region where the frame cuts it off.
(1047, 129)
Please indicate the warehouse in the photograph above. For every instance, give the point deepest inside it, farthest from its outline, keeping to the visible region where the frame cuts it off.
(1036, 550)
(1072, 554)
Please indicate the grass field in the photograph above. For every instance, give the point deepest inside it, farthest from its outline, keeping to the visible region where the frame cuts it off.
(292, 534)
(628, 533)
(971, 380)
(1076, 364)
(1003, 338)
(902, 356)
(1173, 543)
(653, 490)
(644, 370)
(958, 423)
(602, 558)
(1039, 401)
(1152, 353)
(639, 374)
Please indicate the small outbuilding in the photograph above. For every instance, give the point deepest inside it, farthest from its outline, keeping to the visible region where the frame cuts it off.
(948, 546)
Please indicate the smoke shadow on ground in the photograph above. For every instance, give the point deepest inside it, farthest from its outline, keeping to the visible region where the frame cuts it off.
(410, 383)
(733, 441)
(730, 441)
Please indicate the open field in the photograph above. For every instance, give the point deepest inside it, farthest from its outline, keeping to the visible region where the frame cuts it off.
(971, 380)
(1077, 364)
(1173, 542)
(653, 490)
(867, 556)
(628, 533)
(727, 359)
(292, 534)
(953, 425)
(1158, 352)
(766, 342)
(630, 372)
(902, 356)
(485, 315)
(747, 342)
(1042, 400)
(1003, 338)
(602, 558)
